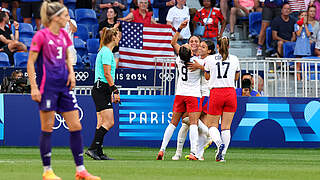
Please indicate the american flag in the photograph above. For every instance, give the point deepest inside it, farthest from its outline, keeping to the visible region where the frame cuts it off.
(140, 43)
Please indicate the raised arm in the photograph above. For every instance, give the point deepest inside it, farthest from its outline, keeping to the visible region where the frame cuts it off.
(174, 41)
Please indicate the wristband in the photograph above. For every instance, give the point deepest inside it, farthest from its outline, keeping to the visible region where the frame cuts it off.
(179, 30)
(17, 29)
(114, 89)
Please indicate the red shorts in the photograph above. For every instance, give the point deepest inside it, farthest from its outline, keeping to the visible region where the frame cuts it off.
(222, 100)
(205, 102)
(187, 104)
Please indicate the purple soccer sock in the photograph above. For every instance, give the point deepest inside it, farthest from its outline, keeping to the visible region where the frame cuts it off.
(45, 148)
(76, 147)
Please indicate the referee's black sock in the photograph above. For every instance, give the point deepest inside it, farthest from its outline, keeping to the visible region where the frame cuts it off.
(98, 138)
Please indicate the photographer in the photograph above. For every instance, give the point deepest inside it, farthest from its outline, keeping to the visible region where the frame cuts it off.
(17, 83)
(246, 89)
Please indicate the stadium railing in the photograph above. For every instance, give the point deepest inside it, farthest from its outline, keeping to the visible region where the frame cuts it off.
(279, 75)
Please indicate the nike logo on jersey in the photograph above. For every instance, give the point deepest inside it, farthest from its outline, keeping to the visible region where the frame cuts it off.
(51, 42)
(109, 104)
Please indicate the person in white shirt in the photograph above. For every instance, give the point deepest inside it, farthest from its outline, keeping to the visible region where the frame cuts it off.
(222, 70)
(176, 15)
(71, 28)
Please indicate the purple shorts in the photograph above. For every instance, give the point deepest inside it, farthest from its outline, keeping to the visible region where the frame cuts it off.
(62, 100)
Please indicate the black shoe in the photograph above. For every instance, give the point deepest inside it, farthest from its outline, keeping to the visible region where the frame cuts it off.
(105, 157)
(93, 153)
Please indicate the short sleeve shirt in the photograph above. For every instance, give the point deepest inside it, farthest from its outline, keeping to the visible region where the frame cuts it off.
(104, 57)
(212, 28)
(138, 18)
(6, 33)
(283, 28)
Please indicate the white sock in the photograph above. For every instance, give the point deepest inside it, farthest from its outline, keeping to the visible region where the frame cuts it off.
(225, 136)
(203, 139)
(194, 138)
(215, 135)
(167, 136)
(80, 168)
(46, 168)
(182, 135)
(203, 129)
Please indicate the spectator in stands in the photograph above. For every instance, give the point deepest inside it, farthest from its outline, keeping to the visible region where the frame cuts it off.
(283, 29)
(303, 31)
(71, 28)
(246, 89)
(242, 8)
(176, 15)
(224, 8)
(271, 9)
(316, 3)
(140, 15)
(14, 5)
(29, 9)
(8, 43)
(260, 85)
(17, 83)
(134, 6)
(314, 23)
(164, 6)
(102, 5)
(212, 28)
(317, 47)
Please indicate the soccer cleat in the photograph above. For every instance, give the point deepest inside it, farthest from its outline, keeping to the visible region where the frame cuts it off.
(103, 156)
(176, 157)
(93, 153)
(160, 155)
(191, 157)
(219, 156)
(208, 145)
(49, 175)
(84, 175)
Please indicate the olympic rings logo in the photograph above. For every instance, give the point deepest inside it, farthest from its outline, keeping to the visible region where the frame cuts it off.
(81, 76)
(61, 120)
(166, 76)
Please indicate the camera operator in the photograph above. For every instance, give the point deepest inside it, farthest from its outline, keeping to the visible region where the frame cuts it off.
(17, 83)
(246, 87)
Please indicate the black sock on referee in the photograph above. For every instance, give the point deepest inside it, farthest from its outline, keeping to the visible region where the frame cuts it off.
(98, 138)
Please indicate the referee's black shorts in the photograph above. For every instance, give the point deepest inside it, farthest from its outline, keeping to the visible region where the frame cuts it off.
(101, 95)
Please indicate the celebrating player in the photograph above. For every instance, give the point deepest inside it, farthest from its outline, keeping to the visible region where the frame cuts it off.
(222, 70)
(187, 99)
(104, 91)
(53, 87)
(206, 48)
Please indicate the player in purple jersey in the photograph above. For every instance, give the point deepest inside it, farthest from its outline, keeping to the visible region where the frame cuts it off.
(52, 88)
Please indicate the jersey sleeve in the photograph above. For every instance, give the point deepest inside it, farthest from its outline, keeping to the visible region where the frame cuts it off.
(106, 57)
(170, 15)
(238, 65)
(66, 35)
(207, 66)
(37, 42)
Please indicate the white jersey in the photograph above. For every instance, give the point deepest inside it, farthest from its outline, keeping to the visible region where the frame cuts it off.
(222, 73)
(188, 81)
(205, 90)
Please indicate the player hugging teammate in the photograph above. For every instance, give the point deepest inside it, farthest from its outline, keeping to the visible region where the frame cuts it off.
(205, 93)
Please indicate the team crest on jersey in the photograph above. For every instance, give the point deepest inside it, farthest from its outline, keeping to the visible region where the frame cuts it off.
(218, 57)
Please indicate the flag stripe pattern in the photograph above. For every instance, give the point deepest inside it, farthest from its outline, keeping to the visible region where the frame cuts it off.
(140, 43)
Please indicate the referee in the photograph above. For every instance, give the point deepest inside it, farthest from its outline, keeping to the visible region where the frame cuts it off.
(104, 91)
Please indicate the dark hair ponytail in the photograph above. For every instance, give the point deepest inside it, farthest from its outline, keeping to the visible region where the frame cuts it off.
(223, 43)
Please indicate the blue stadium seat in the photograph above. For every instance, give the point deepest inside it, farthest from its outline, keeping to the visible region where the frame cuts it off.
(4, 60)
(255, 19)
(79, 64)
(71, 14)
(288, 49)
(93, 45)
(80, 46)
(92, 59)
(71, 4)
(269, 40)
(88, 18)
(25, 30)
(20, 59)
(311, 68)
(26, 41)
(82, 32)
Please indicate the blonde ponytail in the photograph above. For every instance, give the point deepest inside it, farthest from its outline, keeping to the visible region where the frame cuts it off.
(48, 10)
(107, 36)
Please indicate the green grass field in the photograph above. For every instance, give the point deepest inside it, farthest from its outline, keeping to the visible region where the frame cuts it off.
(140, 163)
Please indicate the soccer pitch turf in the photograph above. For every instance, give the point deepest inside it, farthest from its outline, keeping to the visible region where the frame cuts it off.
(139, 163)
